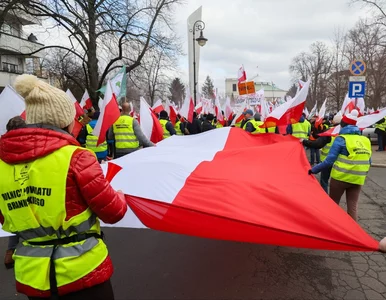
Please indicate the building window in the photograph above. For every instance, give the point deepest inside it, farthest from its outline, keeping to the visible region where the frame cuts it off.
(234, 87)
(11, 68)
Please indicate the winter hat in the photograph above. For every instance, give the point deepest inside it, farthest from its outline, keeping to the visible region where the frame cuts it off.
(257, 117)
(351, 118)
(337, 118)
(163, 114)
(45, 104)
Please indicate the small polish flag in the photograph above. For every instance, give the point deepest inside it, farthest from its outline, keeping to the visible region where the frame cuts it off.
(150, 125)
(158, 107)
(172, 112)
(86, 103)
(187, 108)
(198, 108)
(78, 108)
(228, 109)
(109, 113)
(242, 76)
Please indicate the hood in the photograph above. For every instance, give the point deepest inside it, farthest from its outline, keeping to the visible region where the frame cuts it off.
(350, 129)
(27, 144)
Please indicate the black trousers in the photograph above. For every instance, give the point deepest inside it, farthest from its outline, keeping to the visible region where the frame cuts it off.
(102, 291)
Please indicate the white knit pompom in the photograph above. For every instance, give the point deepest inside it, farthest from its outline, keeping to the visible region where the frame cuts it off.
(24, 84)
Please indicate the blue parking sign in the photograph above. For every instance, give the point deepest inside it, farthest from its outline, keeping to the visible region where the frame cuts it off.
(356, 89)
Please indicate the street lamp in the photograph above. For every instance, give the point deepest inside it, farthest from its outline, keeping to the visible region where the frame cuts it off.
(201, 40)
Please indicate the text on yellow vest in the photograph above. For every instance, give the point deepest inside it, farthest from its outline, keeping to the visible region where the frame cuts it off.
(125, 137)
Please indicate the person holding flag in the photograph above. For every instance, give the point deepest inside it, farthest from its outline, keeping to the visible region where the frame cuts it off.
(62, 252)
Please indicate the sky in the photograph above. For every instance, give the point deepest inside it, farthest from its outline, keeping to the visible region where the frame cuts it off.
(262, 35)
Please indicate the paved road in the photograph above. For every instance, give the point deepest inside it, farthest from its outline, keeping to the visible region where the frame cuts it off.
(156, 265)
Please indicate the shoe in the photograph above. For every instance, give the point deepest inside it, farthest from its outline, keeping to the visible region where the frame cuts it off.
(8, 260)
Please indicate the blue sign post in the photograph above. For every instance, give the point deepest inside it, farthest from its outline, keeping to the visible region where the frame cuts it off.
(356, 89)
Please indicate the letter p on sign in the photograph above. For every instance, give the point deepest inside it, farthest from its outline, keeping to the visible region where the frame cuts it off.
(357, 89)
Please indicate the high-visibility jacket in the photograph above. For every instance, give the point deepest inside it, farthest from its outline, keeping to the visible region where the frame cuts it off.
(166, 132)
(238, 124)
(91, 141)
(355, 167)
(178, 128)
(381, 126)
(256, 125)
(326, 149)
(301, 130)
(33, 205)
(218, 124)
(270, 130)
(125, 137)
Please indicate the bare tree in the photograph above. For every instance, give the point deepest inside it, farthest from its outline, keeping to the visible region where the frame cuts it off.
(122, 30)
(315, 65)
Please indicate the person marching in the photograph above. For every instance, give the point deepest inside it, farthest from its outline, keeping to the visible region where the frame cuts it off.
(350, 158)
(167, 126)
(54, 193)
(253, 125)
(300, 130)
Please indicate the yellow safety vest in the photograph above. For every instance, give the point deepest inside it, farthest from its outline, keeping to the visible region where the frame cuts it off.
(326, 149)
(256, 125)
(33, 205)
(217, 125)
(125, 137)
(271, 129)
(91, 141)
(300, 130)
(177, 128)
(381, 126)
(166, 132)
(355, 167)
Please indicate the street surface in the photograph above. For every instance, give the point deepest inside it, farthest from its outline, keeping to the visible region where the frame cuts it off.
(157, 265)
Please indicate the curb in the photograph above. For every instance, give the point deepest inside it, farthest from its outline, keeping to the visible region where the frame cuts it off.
(378, 165)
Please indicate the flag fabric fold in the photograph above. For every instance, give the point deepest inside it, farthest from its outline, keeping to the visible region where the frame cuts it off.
(280, 215)
(150, 125)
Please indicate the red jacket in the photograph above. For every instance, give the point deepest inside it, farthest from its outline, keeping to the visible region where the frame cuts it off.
(86, 187)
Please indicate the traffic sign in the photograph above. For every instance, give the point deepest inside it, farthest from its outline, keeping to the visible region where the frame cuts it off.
(356, 89)
(358, 68)
(357, 78)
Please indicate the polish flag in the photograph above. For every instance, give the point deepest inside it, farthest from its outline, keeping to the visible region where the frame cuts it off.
(367, 121)
(158, 107)
(228, 109)
(12, 105)
(349, 105)
(172, 112)
(150, 125)
(264, 109)
(109, 114)
(86, 103)
(187, 108)
(289, 112)
(239, 114)
(333, 131)
(78, 108)
(280, 216)
(305, 111)
(199, 108)
(301, 83)
(218, 112)
(314, 111)
(242, 76)
(321, 114)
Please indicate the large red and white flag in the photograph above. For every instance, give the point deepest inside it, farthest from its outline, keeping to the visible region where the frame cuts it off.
(321, 114)
(333, 131)
(187, 108)
(350, 104)
(366, 121)
(242, 76)
(86, 102)
(79, 110)
(150, 125)
(109, 114)
(280, 216)
(12, 105)
(158, 107)
(289, 112)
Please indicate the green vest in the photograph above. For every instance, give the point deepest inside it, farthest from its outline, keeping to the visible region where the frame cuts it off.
(34, 207)
(91, 141)
(177, 128)
(166, 132)
(125, 137)
(326, 149)
(381, 126)
(355, 167)
(256, 125)
(301, 130)
(270, 130)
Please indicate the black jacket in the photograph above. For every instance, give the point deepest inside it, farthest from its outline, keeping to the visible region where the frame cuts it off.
(319, 143)
(207, 125)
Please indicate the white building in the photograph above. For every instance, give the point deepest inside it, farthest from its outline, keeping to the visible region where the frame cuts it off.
(271, 92)
(13, 42)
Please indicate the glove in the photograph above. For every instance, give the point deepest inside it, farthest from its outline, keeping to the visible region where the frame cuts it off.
(310, 172)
